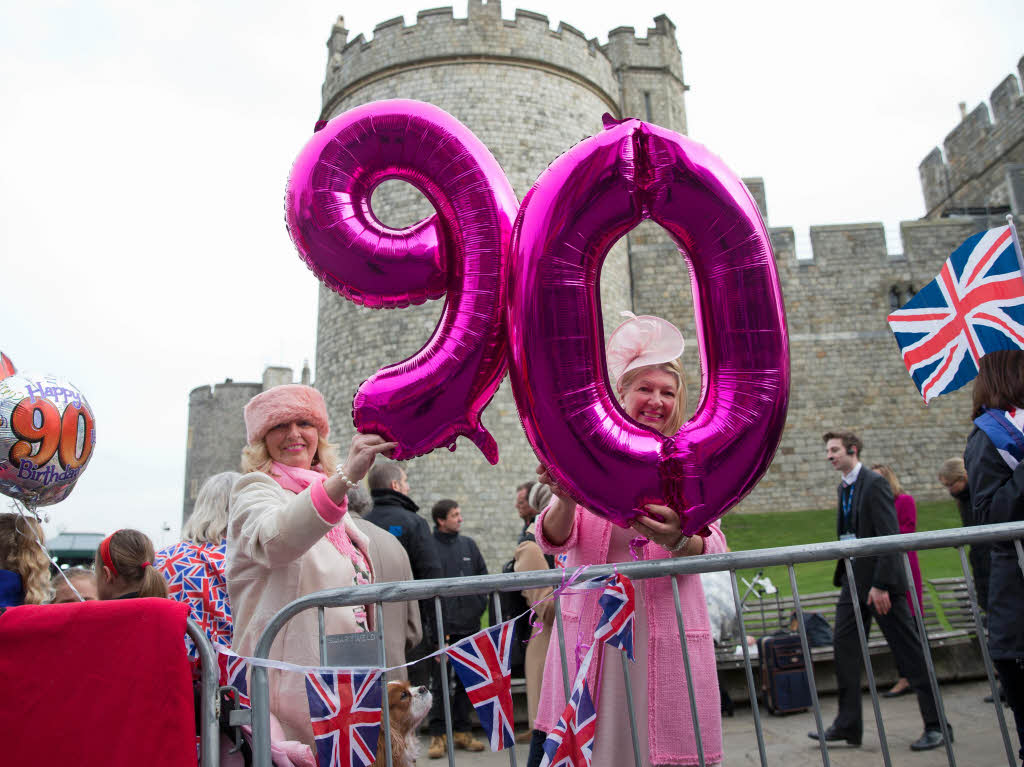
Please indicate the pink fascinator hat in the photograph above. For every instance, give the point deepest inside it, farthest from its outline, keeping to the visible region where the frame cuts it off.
(642, 341)
(281, 404)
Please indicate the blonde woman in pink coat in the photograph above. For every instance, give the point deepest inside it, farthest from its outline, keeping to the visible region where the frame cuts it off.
(644, 363)
(289, 534)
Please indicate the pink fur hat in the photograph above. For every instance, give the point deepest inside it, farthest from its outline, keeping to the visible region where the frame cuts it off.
(289, 402)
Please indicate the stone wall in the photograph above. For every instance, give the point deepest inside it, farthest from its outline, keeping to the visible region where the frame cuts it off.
(974, 169)
(216, 434)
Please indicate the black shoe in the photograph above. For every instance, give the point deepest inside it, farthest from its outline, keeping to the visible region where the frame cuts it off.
(833, 733)
(890, 694)
(1002, 697)
(931, 739)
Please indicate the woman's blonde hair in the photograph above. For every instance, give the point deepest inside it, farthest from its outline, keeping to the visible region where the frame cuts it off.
(208, 522)
(131, 554)
(675, 367)
(890, 476)
(256, 458)
(20, 551)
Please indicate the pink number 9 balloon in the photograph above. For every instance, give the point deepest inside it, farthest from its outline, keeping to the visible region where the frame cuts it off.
(585, 201)
(437, 394)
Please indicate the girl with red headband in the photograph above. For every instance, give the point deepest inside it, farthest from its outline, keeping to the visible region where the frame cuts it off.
(124, 567)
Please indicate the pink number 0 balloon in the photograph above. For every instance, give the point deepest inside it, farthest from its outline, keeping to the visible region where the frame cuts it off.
(437, 394)
(585, 201)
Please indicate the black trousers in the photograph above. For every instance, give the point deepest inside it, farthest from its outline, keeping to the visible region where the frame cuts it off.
(898, 628)
(1011, 674)
(461, 707)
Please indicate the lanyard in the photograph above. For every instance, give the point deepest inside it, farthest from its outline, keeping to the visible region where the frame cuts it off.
(847, 508)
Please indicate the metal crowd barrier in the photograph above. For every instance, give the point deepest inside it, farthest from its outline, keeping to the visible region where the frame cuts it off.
(741, 560)
(209, 699)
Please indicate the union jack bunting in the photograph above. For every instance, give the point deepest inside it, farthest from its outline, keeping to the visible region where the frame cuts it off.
(232, 674)
(483, 664)
(974, 306)
(571, 743)
(195, 575)
(344, 709)
(618, 605)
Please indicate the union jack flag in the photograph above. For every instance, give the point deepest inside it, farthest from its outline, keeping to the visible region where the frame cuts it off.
(974, 306)
(195, 575)
(618, 605)
(232, 674)
(344, 709)
(483, 664)
(571, 743)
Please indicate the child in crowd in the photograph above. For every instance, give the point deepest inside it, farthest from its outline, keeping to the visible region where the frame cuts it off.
(24, 564)
(124, 567)
(82, 578)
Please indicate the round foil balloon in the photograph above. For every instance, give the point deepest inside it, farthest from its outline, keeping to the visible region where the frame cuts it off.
(585, 201)
(47, 436)
(436, 395)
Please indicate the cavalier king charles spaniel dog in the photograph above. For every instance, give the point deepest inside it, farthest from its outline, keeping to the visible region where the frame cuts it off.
(408, 707)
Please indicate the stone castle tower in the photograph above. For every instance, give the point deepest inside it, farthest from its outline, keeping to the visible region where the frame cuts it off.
(530, 92)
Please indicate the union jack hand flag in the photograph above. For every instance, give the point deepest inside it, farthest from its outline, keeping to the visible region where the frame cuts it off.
(232, 674)
(571, 743)
(618, 605)
(974, 306)
(483, 664)
(344, 709)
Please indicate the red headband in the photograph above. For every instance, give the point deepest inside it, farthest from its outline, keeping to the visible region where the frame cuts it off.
(105, 554)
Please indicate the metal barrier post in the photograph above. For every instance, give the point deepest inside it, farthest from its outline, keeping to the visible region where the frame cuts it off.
(933, 679)
(989, 672)
(442, 670)
(384, 699)
(851, 585)
(209, 699)
(686, 667)
(322, 634)
(750, 673)
(629, 707)
(561, 648)
(512, 749)
(809, 664)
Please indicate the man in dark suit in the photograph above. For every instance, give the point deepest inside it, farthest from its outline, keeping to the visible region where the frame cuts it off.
(866, 510)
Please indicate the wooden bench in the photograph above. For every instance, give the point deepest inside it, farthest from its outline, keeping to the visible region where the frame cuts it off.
(944, 597)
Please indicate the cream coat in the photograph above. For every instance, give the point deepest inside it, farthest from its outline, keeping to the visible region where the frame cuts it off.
(277, 552)
(528, 556)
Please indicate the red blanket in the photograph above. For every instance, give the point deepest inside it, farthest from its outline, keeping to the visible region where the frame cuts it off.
(96, 683)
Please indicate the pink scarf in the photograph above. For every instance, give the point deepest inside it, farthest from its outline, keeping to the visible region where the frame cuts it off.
(296, 480)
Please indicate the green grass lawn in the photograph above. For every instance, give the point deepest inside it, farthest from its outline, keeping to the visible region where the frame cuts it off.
(790, 528)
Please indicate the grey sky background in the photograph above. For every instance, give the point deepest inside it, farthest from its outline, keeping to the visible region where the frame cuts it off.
(145, 149)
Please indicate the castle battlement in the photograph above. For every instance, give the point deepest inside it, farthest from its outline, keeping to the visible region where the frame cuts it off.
(969, 172)
(439, 38)
(658, 50)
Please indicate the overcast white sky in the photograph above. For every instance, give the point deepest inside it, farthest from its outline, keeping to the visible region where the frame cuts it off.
(145, 148)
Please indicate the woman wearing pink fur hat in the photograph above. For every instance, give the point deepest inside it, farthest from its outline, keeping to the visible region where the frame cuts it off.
(289, 535)
(644, 366)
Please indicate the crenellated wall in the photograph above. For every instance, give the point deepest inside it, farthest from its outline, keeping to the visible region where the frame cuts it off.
(975, 168)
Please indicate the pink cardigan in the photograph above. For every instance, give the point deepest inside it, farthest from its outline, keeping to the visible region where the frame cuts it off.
(670, 726)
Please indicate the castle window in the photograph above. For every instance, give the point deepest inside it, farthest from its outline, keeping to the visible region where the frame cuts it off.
(894, 297)
(647, 107)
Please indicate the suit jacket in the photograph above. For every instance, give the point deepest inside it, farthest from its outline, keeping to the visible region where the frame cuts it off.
(874, 514)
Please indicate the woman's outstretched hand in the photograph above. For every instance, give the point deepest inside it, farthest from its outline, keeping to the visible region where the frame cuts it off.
(362, 452)
(559, 517)
(662, 526)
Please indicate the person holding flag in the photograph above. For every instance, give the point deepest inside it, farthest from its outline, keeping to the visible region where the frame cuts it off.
(644, 365)
(994, 458)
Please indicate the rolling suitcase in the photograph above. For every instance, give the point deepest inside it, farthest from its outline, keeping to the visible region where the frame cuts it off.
(784, 686)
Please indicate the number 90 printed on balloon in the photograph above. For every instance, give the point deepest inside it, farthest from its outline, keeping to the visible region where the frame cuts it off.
(47, 436)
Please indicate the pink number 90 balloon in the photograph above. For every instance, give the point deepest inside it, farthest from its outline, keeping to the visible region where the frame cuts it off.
(585, 201)
(438, 393)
